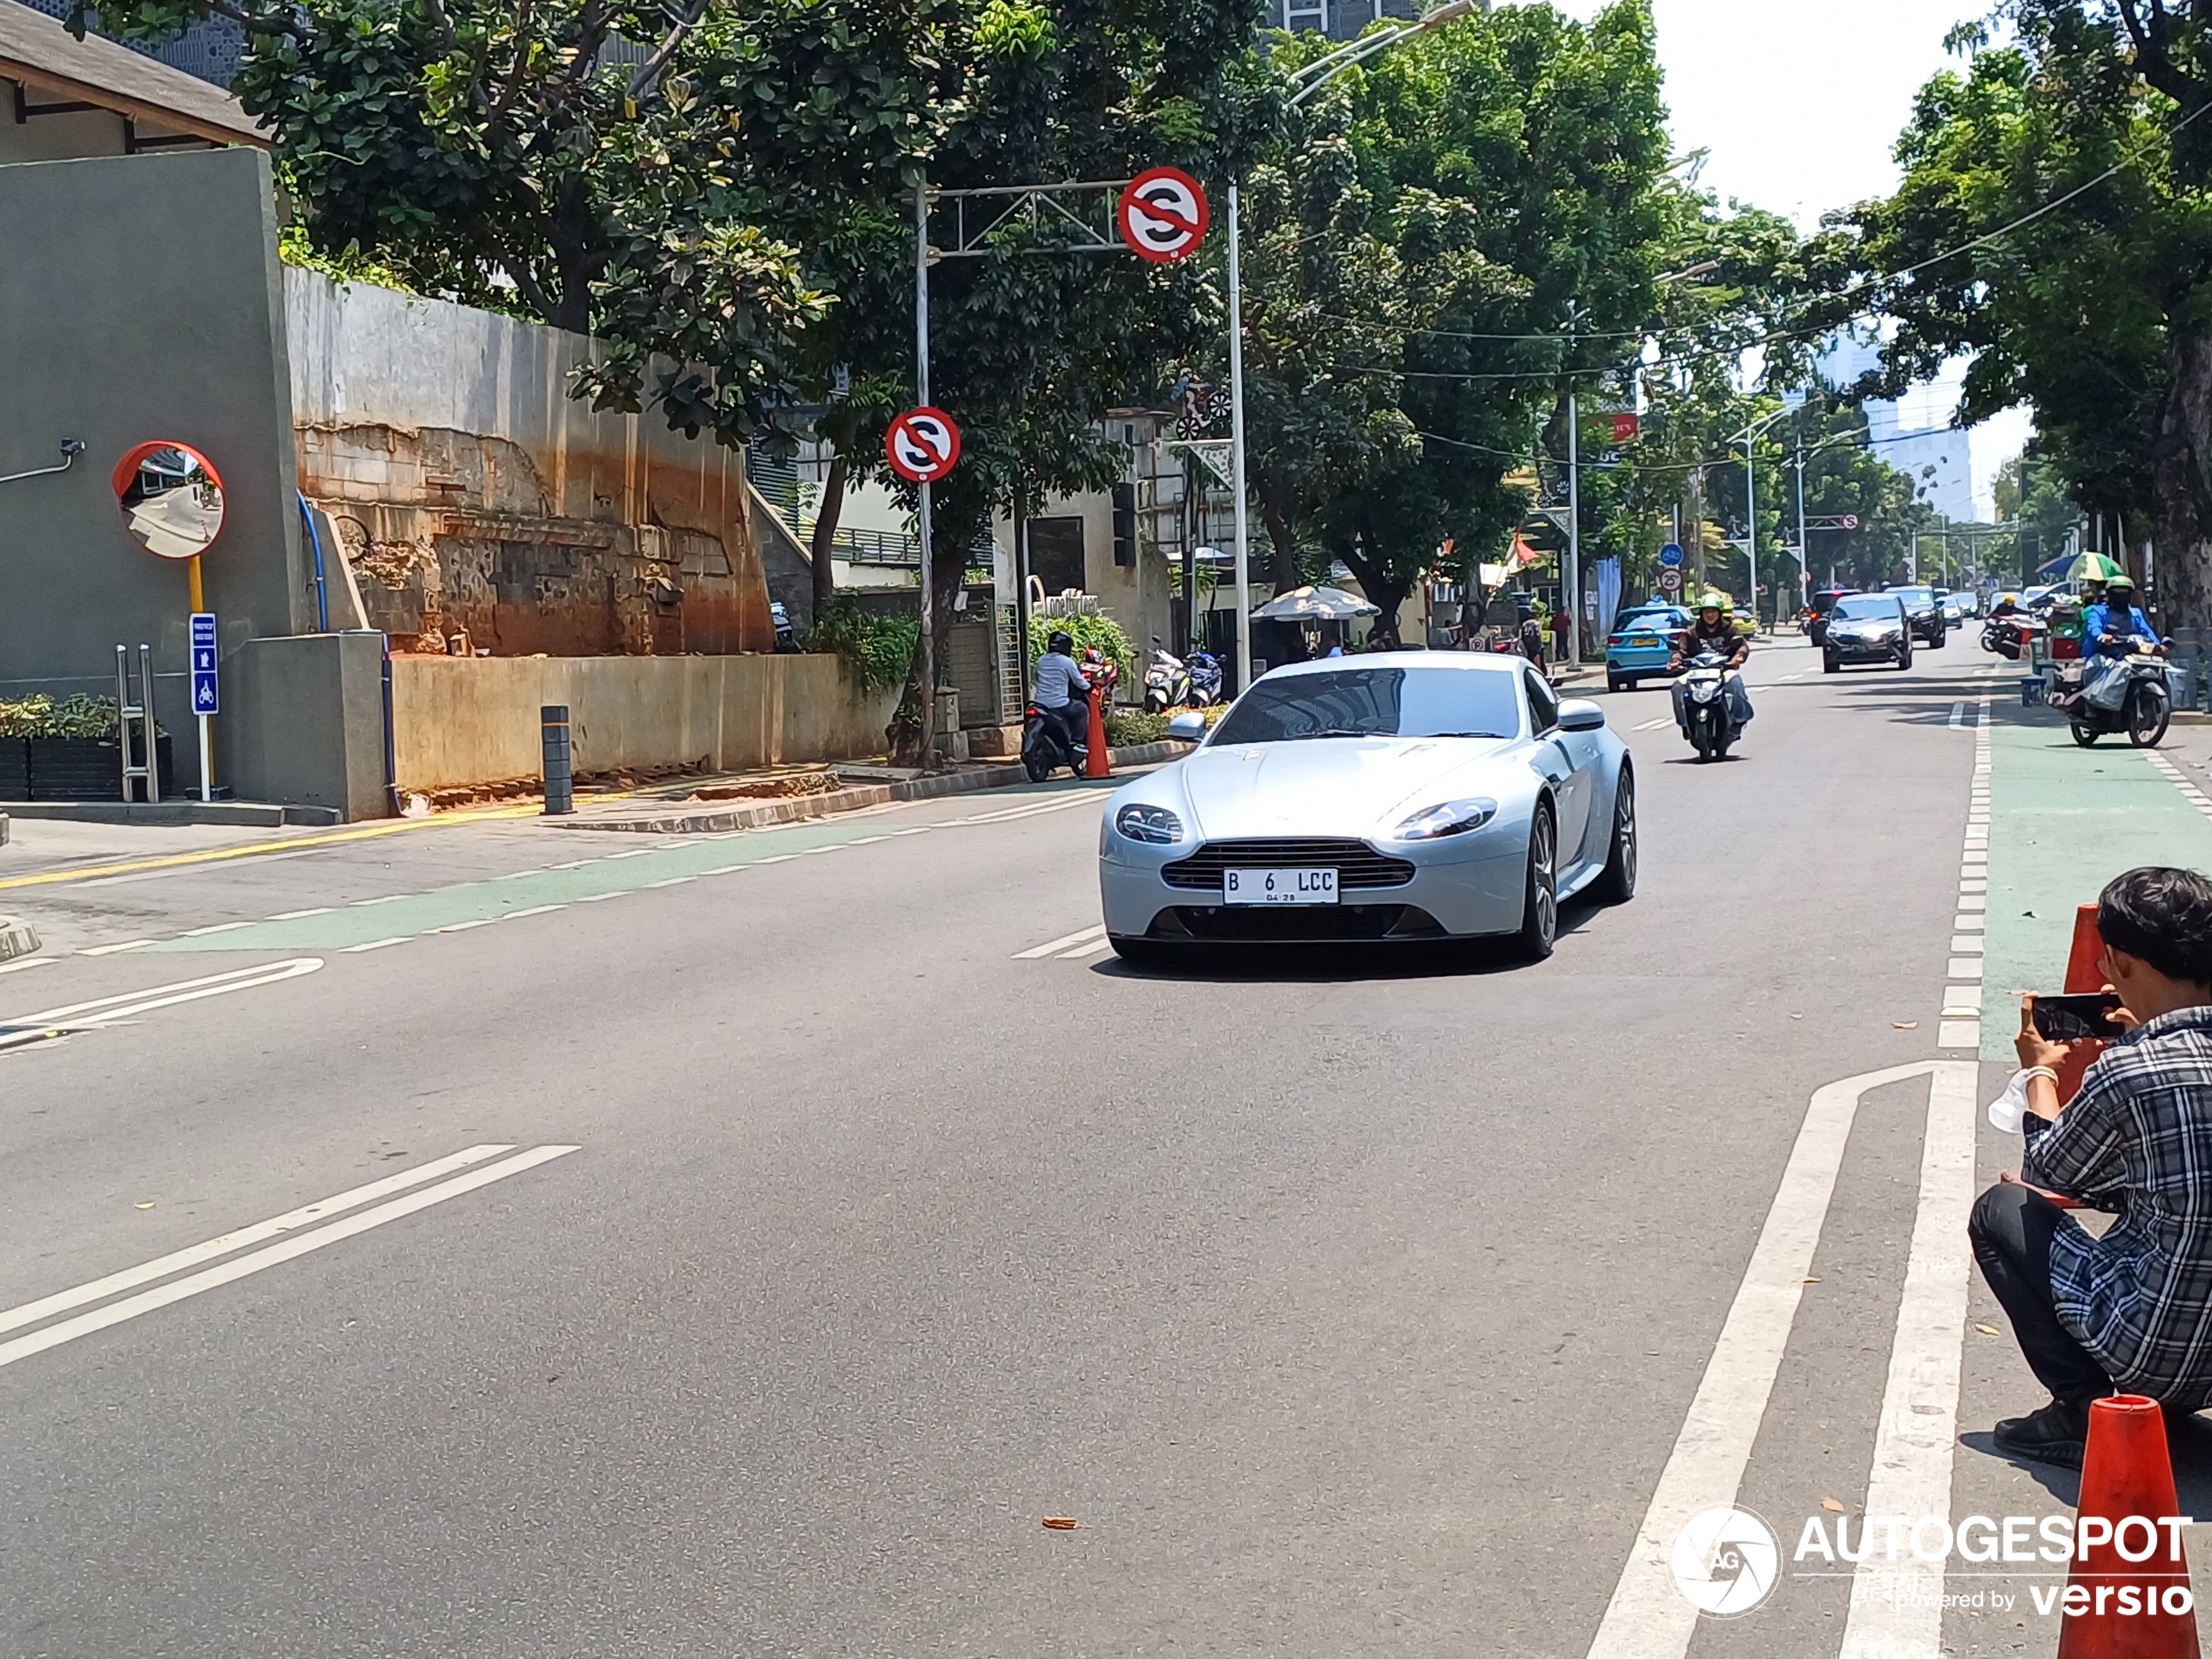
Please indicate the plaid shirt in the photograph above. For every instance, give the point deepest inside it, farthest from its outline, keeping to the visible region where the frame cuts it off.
(2137, 1140)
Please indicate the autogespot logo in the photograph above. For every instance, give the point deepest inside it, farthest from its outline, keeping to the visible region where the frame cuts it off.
(1726, 1561)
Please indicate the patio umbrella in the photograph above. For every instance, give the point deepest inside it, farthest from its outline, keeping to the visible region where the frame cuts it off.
(1315, 604)
(2093, 567)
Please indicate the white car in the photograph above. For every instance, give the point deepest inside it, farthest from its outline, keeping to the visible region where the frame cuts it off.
(1408, 795)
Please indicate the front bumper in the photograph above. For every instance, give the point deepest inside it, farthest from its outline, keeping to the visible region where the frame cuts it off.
(1461, 888)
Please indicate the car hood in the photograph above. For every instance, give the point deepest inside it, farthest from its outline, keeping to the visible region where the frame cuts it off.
(1354, 786)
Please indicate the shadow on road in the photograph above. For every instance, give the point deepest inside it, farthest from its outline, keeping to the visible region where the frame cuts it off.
(2188, 1440)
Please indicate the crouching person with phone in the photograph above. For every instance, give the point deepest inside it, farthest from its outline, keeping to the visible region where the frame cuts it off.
(2132, 1309)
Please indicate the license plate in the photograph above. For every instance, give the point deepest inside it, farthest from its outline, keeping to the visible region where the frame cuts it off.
(1279, 887)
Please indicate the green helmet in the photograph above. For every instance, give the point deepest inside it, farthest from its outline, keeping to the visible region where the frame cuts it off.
(2123, 580)
(1712, 601)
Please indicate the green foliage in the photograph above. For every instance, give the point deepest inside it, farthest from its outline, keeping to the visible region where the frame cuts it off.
(74, 716)
(1100, 633)
(875, 649)
(2100, 313)
(1126, 728)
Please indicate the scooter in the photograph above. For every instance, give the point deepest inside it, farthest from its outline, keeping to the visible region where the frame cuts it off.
(1044, 745)
(1167, 683)
(1204, 669)
(2145, 708)
(1706, 720)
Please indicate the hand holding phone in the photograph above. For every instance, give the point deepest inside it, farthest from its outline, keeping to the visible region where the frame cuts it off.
(2075, 1019)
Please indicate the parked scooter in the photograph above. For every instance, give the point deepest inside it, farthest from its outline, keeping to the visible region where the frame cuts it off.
(1167, 683)
(1707, 721)
(2145, 708)
(1204, 669)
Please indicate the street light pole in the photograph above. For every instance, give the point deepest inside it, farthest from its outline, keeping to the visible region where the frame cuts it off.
(1570, 588)
(1804, 549)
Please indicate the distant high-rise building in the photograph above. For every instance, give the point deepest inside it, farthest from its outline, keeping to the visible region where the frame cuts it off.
(1914, 433)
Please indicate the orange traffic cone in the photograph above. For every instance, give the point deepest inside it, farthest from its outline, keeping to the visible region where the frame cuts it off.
(1097, 763)
(2128, 1595)
(2083, 979)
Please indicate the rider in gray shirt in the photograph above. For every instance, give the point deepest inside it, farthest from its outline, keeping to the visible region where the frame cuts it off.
(1059, 678)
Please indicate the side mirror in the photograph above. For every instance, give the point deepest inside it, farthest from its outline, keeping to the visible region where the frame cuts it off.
(1580, 714)
(1188, 727)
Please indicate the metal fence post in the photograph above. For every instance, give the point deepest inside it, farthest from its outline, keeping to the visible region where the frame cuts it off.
(560, 788)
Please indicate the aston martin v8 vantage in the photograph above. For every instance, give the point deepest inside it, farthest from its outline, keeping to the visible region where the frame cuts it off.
(1406, 795)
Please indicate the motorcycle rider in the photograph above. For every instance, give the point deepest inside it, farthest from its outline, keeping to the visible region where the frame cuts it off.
(1059, 681)
(1712, 631)
(2109, 629)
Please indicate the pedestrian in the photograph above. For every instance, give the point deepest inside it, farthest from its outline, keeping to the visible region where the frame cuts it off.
(1559, 635)
(2127, 1308)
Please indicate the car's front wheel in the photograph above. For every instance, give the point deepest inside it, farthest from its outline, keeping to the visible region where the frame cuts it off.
(1617, 885)
(1540, 902)
(1829, 665)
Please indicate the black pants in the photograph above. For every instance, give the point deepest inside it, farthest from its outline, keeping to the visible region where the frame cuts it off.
(2011, 1229)
(1074, 720)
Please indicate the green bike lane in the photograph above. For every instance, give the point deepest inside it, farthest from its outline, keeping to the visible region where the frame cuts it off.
(2063, 821)
(386, 920)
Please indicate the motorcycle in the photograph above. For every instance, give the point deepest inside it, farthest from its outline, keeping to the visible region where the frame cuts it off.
(1706, 719)
(1045, 748)
(1167, 683)
(1204, 669)
(2145, 708)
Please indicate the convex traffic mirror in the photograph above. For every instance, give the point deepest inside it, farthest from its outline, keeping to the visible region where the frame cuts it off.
(172, 499)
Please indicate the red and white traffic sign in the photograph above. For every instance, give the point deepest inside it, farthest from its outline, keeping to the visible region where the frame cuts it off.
(1163, 215)
(923, 445)
(1850, 521)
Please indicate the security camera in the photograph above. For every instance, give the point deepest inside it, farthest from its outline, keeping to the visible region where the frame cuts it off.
(73, 446)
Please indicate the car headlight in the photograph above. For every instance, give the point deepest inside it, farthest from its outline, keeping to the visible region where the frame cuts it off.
(1155, 826)
(1448, 818)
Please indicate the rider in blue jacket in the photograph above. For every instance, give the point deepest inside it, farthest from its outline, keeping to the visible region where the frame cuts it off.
(2108, 630)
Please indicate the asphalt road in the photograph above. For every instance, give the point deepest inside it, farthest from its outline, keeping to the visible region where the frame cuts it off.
(1348, 1304)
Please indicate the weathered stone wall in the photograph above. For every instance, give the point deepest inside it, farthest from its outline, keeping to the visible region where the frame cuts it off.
(482, 510)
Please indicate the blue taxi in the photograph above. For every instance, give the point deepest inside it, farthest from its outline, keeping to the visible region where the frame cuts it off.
(1641, 644)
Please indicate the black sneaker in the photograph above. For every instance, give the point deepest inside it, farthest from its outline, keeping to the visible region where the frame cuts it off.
(2057, 1434)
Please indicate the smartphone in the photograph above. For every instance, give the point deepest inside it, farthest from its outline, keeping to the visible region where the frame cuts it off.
(2069, 1019)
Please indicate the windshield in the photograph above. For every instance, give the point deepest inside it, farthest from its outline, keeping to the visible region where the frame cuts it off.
(1375, 703)
(1866, 608)
(1653, 625)
(1915, 595)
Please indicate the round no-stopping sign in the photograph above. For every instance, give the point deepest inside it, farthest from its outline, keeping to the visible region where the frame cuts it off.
(1669, 580)
(923, 445)
(1163, 215)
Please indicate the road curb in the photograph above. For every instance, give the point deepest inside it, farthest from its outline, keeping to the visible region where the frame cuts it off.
(16, 939)
(764, 815)
(261, 814)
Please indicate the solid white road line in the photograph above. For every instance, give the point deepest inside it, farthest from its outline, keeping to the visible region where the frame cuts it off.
(131, 1308)
(538, 910)
(218, 927)
(105, 1010)
(1091, 950)
(22, 962)
(110, 950)
(1061, 943)
(1899, 1614)
(374, 944)
(665, 881)
(464, 927)
(1648, 1618)
(145, 1272)
(294, 915)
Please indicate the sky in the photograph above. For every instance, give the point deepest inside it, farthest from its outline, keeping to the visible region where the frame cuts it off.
(1799, 102)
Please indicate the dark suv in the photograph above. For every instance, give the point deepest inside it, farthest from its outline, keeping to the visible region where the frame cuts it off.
(1923, 613)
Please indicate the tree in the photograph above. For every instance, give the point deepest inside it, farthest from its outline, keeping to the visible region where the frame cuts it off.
(1505, 165)
(2055, 201)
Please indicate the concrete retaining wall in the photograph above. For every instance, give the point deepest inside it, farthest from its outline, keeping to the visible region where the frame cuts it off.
(470, 720)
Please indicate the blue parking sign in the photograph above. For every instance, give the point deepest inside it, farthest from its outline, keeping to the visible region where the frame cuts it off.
(205, 698)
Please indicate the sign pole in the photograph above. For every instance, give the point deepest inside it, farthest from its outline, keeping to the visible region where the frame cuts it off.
(206, 701)
(1236, 452)
(206, 737)
(1570, 588)
(921, 517)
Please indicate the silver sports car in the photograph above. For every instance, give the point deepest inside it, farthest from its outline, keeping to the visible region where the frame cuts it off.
(1406, 795)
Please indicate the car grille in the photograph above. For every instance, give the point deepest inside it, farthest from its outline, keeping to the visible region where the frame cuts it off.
(1358, 866)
